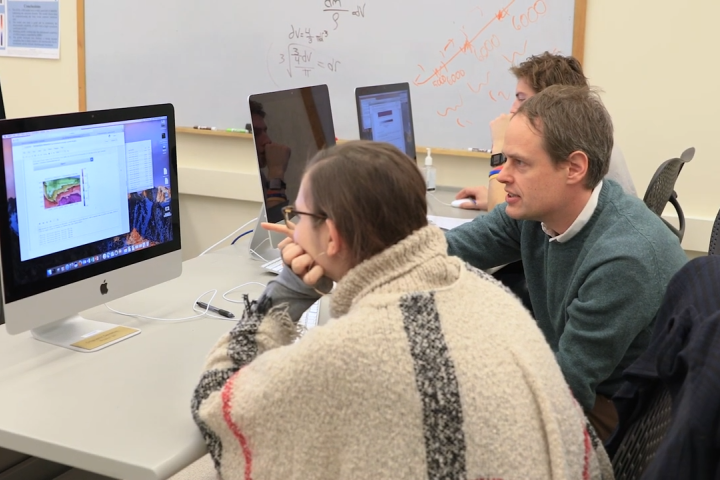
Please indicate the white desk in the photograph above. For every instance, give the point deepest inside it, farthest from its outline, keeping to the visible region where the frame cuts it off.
(124, 411)
(447, 195)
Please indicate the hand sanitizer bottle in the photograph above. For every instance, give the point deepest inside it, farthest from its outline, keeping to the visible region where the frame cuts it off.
(429, 172)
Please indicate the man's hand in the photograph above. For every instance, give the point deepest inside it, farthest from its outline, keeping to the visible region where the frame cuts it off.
(293, 255)
(479, 193)
(497, 131)
(277, 157)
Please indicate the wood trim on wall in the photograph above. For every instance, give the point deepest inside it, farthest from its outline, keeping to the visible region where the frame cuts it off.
(82, 92)
(578, 48)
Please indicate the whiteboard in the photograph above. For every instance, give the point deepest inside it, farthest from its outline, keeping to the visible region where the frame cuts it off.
(207, 57)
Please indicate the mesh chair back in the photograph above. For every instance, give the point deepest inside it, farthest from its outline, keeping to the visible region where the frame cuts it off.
(642, 440)
(714, 248)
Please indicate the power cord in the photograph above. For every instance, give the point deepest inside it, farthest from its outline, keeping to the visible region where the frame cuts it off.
(202, 312)
(240, 236)
(438, 200)
(240, 286)
(231, 234)
(258, 246)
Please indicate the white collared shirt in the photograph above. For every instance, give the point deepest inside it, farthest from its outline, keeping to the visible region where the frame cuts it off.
(579, 222)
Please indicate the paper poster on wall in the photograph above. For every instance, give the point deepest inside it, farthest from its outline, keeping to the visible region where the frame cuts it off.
(30, 28)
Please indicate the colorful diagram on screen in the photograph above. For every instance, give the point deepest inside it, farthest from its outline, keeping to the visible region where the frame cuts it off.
(62, 191)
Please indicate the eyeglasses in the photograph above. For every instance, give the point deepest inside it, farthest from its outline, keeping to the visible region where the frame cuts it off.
(289, 212)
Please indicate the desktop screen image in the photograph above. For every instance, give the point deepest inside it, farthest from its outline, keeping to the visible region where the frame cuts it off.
(81, 196)
(385, 115)
(289, 128)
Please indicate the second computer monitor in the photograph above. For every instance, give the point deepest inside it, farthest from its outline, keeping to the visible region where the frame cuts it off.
(385, 115)
(289, 128)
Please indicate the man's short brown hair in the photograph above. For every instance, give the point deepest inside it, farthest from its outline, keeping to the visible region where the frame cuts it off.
(572, 119)
(373, 192)
(544, 70)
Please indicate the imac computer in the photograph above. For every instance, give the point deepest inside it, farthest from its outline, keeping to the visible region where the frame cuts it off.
(385, 115)
(92, 215)
(289, 127)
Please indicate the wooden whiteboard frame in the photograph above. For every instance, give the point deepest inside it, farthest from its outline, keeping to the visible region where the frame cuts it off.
(578, 50)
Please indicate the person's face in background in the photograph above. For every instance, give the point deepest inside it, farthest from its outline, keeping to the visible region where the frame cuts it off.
(261, 138)
(523, 91)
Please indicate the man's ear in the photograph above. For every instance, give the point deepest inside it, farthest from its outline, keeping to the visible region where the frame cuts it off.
(335, 242)
(577, 164)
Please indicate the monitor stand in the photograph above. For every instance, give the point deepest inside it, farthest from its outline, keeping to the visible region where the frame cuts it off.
(83, 335)
(263, 244)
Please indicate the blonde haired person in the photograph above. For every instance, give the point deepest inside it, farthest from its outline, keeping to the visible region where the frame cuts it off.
(533, 76)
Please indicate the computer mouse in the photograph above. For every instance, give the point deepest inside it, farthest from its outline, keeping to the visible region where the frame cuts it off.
(457, 203)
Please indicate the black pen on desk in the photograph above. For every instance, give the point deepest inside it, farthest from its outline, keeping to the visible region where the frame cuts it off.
(202, 127)
(217, 310)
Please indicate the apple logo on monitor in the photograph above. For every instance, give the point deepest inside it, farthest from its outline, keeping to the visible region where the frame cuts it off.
(103, 288)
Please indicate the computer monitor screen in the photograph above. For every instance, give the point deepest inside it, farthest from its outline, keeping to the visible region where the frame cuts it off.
(289, 128)
(385, 115)
(92, 211)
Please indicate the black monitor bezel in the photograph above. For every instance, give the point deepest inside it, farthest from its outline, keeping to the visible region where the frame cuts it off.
(12, 292)
(2, 105)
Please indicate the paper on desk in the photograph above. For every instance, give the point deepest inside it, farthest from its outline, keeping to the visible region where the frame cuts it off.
(447, 223)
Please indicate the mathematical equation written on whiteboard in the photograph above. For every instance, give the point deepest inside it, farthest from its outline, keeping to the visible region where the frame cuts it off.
(297, 59)
(303, 60)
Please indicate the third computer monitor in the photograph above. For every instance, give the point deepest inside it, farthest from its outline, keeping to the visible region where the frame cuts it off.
(385, 115)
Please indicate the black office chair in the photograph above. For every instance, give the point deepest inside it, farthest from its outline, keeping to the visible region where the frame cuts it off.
(661, 190)
(667, 405)
(714, 248)
(643, 438)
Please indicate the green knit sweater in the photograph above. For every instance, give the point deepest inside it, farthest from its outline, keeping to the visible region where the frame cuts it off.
(594, 296)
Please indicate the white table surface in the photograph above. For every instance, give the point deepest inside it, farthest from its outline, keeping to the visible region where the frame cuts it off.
(124, 411)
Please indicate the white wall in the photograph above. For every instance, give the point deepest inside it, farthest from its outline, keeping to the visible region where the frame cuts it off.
(654, 60)
(656, 63)
(40, 87)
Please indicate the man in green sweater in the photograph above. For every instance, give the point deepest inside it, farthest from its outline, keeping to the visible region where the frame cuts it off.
(597, 261)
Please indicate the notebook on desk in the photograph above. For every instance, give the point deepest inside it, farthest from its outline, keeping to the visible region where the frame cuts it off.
(447, 223)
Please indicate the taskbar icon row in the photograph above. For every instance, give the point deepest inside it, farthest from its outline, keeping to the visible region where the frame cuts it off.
(96, 258)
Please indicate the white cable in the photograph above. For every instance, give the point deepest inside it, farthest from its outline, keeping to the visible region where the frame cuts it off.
(204, 312)
(438, 200)
(233, 233)
(240, 286)
(257, 254)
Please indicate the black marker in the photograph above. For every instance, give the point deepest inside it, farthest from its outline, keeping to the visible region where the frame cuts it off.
(219, 311)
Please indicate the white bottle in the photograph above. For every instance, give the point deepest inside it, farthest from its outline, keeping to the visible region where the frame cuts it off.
(429, 172)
